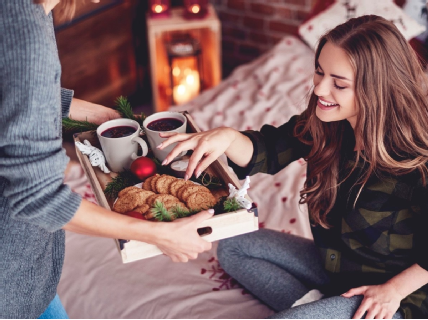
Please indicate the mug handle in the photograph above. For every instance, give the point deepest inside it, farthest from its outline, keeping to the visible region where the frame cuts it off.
(143, 145)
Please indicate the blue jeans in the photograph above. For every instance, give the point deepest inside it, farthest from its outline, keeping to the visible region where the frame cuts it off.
(55, 310)
(279, 269)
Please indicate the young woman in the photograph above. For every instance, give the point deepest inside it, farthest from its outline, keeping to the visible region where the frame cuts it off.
(35, 206)
(365, 140)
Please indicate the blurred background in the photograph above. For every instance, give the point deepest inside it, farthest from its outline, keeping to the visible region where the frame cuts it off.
(104, 51)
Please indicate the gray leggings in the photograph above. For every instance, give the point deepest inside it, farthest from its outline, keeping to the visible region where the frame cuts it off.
(279, 269)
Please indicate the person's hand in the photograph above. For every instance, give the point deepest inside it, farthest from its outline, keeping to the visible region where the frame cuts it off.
(86, 111)
(207, 147)
(180, 240)
(380, 302)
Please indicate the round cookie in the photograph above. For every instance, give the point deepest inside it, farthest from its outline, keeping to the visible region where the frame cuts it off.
(151, 199)
(163, 183)
(147, 185)
(128, 189)
(142, 209)
(176, 185)
(153, 183)
(192, 189)
(200, 201)
(181, 190)
(142, 196)
(126, 203)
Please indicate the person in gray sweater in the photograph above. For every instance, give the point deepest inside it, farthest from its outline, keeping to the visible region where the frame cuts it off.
(35, 205)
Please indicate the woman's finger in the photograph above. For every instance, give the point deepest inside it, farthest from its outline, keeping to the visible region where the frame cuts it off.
(173, 137)
(361, 310)
(205, 162)
(179, 148)
(373, 311)
(197, 155)
(355, 292)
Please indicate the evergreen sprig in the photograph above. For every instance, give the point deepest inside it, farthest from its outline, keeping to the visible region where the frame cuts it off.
(72, 126)
(179, 212)
(160, 213)
(124, 179)
(124, 107)
(231, 205)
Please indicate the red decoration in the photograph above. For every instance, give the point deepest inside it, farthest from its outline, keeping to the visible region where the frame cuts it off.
(135, 214)
(143, 168)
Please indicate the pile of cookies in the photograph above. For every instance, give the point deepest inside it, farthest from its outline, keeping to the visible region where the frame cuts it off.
(167, 189)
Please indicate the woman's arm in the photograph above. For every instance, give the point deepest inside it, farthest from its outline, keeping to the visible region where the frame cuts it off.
(86, 111)
(179, 239)
(383, 301)
(269, 150)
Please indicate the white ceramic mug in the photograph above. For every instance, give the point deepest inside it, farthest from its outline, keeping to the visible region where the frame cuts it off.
(121, 152)
(154, 138)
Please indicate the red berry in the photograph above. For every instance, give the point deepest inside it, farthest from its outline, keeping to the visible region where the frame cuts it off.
(135, 214)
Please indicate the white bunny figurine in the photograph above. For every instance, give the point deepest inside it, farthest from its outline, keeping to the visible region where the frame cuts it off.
(239, 195)
(96, 156)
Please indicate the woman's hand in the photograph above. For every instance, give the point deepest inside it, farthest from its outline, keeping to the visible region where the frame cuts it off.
(207, 147)
(380, 302)
(180, 240)
(86, 111)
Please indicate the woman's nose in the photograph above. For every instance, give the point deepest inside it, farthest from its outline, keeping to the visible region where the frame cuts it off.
(322, 88)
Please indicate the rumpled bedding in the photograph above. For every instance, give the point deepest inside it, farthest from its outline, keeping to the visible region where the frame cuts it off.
(96, 284)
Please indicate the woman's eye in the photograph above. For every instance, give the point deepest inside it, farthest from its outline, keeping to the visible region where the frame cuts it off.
(319, 72)
(337, 87)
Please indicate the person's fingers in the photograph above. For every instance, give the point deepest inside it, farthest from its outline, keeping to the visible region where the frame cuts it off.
(373, 311)
(381, 314)
(205, 162)
(354, 292)
(172, 137)
(389, 315)
(183, 146)
(197, 155)
(362, 309)
(200, 217)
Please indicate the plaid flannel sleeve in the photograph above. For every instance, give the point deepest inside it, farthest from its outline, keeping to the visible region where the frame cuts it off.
(274, 149)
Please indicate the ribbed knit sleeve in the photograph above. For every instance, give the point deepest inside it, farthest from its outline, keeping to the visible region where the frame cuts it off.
(32, 159)
(66, 97)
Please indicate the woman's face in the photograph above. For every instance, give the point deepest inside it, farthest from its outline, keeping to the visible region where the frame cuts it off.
(334, 86)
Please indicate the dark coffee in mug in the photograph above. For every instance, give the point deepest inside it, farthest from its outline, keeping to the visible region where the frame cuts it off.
(165, 124)
(118, 132)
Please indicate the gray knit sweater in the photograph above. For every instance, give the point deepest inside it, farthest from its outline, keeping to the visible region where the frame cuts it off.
(34, 202)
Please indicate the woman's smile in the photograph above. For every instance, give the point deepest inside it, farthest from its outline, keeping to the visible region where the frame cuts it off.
(324, 105)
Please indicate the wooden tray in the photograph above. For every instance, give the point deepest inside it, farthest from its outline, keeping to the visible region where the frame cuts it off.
(218, 227)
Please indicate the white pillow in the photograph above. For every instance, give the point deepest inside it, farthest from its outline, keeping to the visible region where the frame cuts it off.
(343, 10)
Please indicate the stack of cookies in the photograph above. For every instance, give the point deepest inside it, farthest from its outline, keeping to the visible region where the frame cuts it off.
(167, 189)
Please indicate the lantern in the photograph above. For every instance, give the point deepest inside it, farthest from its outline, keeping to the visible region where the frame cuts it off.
(184, 58)
(195, 9)
(159, 8)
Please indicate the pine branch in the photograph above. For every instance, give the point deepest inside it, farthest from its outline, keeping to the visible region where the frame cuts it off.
(124, 108)
(231, 205)
(160, 213)
(121, 181)
(179, 212)
(73, 126)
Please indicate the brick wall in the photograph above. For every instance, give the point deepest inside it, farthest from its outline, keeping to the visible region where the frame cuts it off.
(251, 27)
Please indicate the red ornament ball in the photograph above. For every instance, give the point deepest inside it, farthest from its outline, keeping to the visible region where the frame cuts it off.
(143, 167)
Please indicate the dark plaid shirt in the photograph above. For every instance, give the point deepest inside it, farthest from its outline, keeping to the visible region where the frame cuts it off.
(385, 233)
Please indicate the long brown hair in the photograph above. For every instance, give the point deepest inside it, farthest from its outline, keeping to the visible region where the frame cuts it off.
(391, 96)
(65, 9)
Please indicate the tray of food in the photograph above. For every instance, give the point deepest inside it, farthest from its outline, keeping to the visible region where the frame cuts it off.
(159, 193)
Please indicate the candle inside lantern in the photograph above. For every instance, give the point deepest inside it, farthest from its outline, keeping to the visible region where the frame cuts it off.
(181, 93)
(195, 9)
(159, 8)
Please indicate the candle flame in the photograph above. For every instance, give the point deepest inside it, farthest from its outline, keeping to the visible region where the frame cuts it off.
(195, 8)
(190, 79)
(181, 89)
(158, 8)
(176, 71)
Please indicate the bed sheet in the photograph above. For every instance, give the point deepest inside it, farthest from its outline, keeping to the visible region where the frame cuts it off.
(96, 284)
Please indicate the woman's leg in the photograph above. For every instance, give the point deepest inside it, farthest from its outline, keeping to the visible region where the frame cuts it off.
(276, 267)
(55, 310)
(330, 308)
